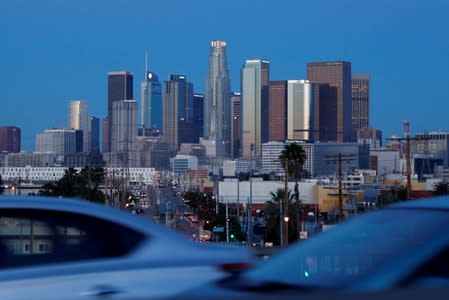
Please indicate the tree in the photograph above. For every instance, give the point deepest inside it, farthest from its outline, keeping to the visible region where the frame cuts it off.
(441, 188)
(292, 159)
(84, 185)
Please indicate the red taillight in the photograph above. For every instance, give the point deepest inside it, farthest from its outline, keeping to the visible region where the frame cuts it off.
(235, 267)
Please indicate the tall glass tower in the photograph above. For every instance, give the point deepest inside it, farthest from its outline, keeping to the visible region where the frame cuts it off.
(217, 101)
(254, 106)
(151, 102)
(120, 87)
(178, 111)
(78, 119)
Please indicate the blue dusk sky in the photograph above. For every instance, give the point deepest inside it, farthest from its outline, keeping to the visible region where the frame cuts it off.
(55, 51)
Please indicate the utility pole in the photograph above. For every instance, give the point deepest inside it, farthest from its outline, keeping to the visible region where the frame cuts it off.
(340, 159)
(227, 222)
(407, 152)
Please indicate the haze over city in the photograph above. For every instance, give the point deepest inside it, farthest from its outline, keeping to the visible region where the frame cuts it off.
(53, 52)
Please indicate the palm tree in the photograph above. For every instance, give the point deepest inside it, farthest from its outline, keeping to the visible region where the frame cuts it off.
(292, 159)
(274, 216)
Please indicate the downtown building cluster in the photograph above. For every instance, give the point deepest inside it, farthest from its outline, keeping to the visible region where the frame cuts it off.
(172, 125)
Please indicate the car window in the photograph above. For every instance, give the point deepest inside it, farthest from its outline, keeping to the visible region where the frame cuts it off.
(30, 237)
(354, 249)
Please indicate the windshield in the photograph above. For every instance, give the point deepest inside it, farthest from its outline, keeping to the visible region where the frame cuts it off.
(352, 249)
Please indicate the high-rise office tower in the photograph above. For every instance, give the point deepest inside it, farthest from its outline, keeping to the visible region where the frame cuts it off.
(151, 102)
(78, 119)
(300, 110)
(217, 102)
(325, 112)
(236, 124)
(337, 75)
(94, 134)
(360, 102)
(254, 106)
(59, 141)
(177, 111)
(198, 117)
(10, 139)
(278, 111)
(123, 133)
(120, 87)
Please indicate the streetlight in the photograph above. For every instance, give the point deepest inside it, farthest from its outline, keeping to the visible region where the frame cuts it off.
(286, 219)
(250, 204)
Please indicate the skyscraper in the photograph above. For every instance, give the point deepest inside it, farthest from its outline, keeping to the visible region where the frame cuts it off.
(123, 133)
(360, 102)
(336, 74)
(94, 135)
(59, 141)
(120, 87)
(300, 110)
(254, 106)
(10, 139)
(217, 102)
(236, 124)
(198, 117)
(78, 119)
(177, 111)
(151, 102)
(278, 111)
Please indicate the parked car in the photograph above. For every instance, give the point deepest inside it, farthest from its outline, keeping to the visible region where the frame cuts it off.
(400, 251)
(54, 248)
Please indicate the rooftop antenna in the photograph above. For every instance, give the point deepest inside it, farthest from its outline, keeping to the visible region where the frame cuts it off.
(146, 62)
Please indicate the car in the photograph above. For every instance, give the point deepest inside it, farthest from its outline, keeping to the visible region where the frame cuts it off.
(52, 248)
(400, 251)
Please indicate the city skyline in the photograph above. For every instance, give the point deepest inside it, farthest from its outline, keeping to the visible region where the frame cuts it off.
(403, 47)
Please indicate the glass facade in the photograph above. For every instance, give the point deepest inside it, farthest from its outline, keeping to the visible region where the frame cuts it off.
(124, 132)
(360, 102)
(217, 101)
(255, 94)
(178, 111)
(300, 110)
(120, 87)
(151, 102)
(78, 119)
(278, 111)
(336, 75)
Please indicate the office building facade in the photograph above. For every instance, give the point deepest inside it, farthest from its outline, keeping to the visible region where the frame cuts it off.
(123, 133)
(151, 102)
(178, 112)
(236, 124)
(58, 141)
(198, 117)
(278, 110)
(217, 101)
(10, 139)
(336, 77)
(120, 87)
(322, 159)
(270, 157)
(360, 102)
(300, 110)
(254, 106)
(78, 119)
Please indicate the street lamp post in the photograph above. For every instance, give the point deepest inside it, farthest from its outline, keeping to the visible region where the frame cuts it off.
(250, 206)
(286, 202)
(286, 219)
